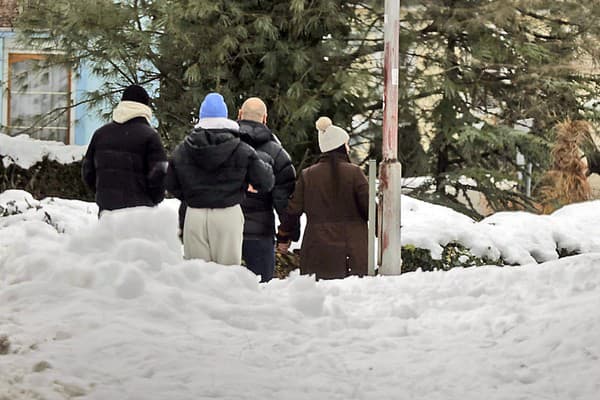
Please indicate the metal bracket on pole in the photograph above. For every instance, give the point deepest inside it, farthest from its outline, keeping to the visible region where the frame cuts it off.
(372, 215)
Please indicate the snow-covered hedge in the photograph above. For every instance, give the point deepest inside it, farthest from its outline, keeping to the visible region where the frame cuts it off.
(43, 168)
(434, 237)
(504, 238)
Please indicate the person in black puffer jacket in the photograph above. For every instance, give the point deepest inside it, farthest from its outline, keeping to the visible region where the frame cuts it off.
(125, 163)
(210, 172)
(258, 249)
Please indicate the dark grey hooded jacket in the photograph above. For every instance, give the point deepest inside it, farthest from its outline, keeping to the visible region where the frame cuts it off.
(212, 168)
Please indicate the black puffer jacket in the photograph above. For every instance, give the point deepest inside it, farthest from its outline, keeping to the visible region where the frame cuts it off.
(212, 169)
(125, 165)
(258, 207)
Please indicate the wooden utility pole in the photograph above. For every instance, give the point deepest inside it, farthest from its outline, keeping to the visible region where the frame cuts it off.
(391, 171)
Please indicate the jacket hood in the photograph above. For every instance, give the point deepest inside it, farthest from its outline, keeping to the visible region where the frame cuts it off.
(210, 148)
(127, 110)
(255, 133)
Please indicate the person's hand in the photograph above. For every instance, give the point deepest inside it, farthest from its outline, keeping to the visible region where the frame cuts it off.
(251, 189)
(283, 247)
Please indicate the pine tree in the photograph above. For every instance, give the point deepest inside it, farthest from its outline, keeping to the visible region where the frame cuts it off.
(476, 71)
(305, 59)
(483, 80)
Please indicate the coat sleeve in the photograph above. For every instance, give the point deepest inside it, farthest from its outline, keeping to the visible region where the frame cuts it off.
(88, 168)
(172, 181)
(290, 218)
(181, 214)
(260, 173)
(156, 162)
(361, 193)
(285, 181)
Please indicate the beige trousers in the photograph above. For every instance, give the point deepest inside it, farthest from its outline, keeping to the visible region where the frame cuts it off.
(214, 234)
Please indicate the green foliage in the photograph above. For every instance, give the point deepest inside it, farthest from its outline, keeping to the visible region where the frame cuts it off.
(46, 179)
(4, 345)
(305, 59)
(472, 71)
(286, 263)
(475, 70)
(454, 255)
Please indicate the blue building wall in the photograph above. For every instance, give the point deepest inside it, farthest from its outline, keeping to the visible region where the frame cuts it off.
(87, 119)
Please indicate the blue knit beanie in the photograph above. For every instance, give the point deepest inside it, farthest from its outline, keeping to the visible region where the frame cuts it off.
(213, 106)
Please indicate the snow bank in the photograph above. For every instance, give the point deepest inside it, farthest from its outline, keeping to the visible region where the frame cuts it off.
(63, 215)
(108, 309)
(24, 151)
(519, 238)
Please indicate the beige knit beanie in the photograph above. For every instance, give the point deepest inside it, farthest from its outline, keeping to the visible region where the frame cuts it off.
(330, 136)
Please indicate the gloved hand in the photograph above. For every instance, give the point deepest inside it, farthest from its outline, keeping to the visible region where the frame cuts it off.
(283, 247)
(283, 242)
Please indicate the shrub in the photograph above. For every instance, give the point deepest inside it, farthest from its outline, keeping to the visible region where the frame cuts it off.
(47, 178)
(454, 255)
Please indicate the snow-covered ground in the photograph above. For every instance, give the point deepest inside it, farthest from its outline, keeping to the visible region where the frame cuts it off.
(109, 310)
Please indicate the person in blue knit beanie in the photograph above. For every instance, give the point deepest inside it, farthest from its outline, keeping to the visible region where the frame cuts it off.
(210, 172)
(213, 106)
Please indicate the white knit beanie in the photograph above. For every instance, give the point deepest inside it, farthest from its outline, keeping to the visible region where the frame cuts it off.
(330, 136)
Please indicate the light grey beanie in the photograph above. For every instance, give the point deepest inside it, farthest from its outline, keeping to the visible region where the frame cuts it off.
(330, 136)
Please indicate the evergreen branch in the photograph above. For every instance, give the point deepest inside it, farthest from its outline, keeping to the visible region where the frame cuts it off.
(540, 17)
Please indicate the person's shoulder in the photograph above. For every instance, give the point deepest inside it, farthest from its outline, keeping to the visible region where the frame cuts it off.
(352, 167)
(356, 169)
(146, 128)
(313, 169)
(103, 133)
(272, 147)
(179, 149)
(244, 148)
(145, 132)
(108, 127)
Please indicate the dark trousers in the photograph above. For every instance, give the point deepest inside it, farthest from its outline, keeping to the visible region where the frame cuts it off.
(259, 256)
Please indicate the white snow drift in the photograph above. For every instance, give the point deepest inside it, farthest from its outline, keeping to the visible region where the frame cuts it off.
(109, 310)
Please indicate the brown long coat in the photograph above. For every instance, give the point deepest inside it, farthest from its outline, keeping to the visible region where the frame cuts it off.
(335, 237)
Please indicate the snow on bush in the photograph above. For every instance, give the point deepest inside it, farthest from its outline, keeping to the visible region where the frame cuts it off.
(516, 237)
(25, 151)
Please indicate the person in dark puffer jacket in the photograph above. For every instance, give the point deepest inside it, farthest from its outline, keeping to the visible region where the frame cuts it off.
(125, 163)
(210, 172)
(258, 250)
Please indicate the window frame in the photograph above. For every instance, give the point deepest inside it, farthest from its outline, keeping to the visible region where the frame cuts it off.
(17, 56)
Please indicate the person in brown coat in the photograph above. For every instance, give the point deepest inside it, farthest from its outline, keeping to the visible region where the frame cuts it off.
(334, 195)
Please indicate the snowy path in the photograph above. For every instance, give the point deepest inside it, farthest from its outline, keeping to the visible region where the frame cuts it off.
(110, 311)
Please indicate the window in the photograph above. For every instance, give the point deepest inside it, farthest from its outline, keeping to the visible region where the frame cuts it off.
(35, 92)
